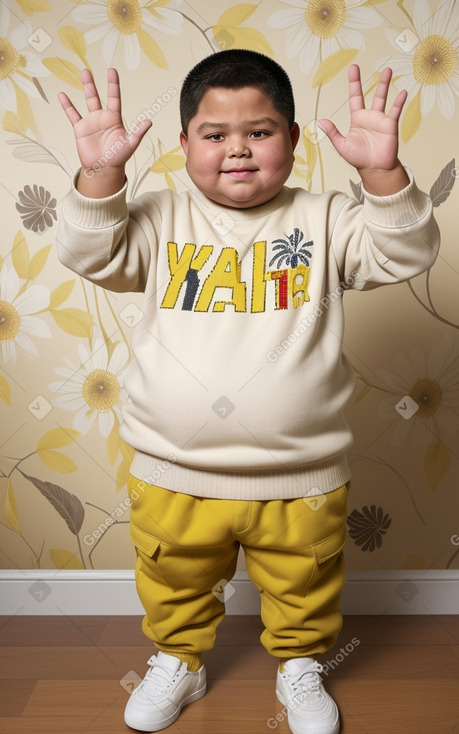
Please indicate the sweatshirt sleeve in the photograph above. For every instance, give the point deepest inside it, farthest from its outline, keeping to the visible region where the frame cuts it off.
(387, 239)
(106, 241)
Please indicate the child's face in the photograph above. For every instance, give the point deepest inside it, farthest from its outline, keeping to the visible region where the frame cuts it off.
(239, 148)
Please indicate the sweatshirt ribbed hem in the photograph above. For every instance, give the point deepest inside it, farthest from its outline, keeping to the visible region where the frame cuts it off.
(307, 481)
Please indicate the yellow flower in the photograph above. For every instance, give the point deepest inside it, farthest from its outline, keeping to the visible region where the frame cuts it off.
(94, 390)
(315, 29)
(33, 6)
(115, 21)
(16, 315)
(429, 389)
(167, 163)
(429, 67)
(18, 66)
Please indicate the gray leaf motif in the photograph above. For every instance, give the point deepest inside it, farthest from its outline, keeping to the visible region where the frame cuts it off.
(357, 190)
(441, 189)
(32, 151)
(68, 505)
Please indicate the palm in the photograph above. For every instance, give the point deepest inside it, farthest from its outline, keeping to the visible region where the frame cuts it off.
(96, 134)
(372, 140)
(100, 136)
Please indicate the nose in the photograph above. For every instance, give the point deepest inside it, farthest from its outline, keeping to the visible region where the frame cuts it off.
(238, 147)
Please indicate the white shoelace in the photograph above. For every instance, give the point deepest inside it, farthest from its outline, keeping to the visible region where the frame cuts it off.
(306, 681)
(157, 680)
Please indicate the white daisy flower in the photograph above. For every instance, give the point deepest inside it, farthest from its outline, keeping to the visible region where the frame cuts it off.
(114, 21)
(16, 319)
(18, 65)
(94, 389)
(430, 66)
(314, 29)
(433, 385)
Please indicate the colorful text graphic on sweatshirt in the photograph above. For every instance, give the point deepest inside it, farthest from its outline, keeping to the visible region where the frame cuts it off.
(188, 290)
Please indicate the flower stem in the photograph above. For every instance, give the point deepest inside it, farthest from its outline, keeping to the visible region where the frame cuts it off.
(319, 151)
(80, 550)
(19, 461)
(203, 32)
(431, 310)
(401, 5)
(37, 558)
(117, 321)
(107, 338)
(456, 552)
(381, 462)
(87, 308)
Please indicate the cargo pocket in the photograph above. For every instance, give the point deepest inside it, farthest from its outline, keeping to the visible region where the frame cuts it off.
(329, 574)
(182, 569)
(145, 542)
(147, 548)
(326, 549)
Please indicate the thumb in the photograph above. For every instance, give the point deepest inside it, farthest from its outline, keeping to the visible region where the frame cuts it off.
(332, 132)
(137, 132)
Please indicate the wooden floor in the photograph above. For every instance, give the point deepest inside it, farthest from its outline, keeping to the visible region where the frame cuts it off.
(61, 675)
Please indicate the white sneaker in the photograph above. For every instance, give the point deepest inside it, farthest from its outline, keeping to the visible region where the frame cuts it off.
(156, 703)
(310, 709)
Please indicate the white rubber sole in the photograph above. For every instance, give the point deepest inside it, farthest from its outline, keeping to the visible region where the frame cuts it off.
(295, 730)
(160, 725)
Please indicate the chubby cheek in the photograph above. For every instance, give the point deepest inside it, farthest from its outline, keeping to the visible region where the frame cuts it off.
(203, 162)
(279, 162)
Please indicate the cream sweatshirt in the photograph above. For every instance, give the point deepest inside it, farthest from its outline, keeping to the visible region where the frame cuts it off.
(238, 384)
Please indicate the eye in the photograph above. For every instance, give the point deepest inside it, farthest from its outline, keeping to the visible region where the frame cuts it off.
(258, 134)
(216, 137)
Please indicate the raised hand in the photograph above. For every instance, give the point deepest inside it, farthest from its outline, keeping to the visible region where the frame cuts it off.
(103, 144)
(371, 145)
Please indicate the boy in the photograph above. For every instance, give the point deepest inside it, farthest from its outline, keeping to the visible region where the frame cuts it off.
(253, 430)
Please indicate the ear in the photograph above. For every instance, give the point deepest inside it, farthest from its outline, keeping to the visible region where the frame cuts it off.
(184, 142)
(294, 134)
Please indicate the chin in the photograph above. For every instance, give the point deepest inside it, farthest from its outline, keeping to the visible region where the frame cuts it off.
(244, 200)
(242, 203)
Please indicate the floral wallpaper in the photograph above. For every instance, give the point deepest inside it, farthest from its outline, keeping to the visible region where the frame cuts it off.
(65, 344)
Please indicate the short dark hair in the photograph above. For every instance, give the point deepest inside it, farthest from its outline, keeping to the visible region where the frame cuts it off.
(234, 69)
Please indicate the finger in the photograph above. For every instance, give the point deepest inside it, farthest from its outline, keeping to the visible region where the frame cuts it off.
(332, 132)
(380, 96)
(137, 133)
(397, 106)
(90, 91)
(71, 112)
(355, 89)
(114, 93)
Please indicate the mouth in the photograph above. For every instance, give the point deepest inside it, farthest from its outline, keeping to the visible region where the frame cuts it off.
(240, 172)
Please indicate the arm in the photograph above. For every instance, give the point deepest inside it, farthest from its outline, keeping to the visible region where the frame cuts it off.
(371, 145)
(385, 240)
(110, 242)
(393, 236)
(102, 142)
(100, 236)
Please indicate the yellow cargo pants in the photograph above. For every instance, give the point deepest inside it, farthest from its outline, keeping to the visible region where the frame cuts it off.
(187, 548)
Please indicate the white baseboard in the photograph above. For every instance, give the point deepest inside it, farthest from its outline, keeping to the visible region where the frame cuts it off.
(113, 592)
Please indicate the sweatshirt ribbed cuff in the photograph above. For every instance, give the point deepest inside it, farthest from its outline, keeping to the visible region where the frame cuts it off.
(91, 213)
(403, 209)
